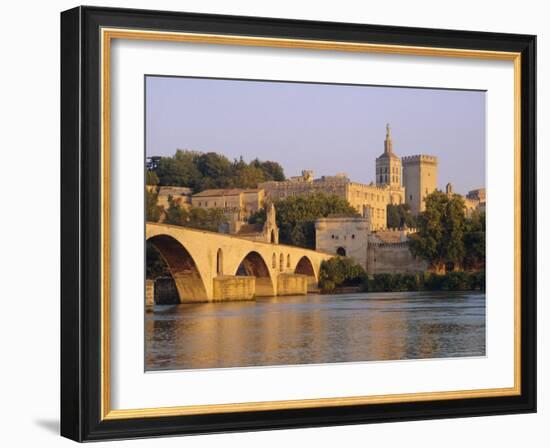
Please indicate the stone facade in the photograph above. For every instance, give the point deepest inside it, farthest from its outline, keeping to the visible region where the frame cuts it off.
(237, 203)
(343, 236)
(392, 258)
(384, 251)
(268, 232)
(182, 194)
(369, 199)
(419, 180)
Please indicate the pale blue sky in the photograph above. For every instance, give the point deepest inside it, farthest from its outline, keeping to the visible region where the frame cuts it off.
(328, 128)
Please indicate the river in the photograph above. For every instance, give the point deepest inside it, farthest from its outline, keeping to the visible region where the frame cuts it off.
(316, 329)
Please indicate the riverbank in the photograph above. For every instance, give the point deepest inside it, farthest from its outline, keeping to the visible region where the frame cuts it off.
(423, 281)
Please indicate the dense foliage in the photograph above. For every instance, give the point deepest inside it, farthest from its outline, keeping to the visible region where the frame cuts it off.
(195, 217)
(453, 281)
(296, 216)
(446, 237)
(153, 211)
(340, 271)
(400, 215)
(201, 171)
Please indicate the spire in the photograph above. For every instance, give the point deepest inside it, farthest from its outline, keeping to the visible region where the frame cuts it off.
(388, 145)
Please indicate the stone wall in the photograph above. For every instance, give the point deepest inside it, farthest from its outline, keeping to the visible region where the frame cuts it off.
(292, 284)
(392, 258)
(149, 292)
(232, 287)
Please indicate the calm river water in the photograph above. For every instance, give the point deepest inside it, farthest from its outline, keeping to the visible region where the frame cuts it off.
(316, 329)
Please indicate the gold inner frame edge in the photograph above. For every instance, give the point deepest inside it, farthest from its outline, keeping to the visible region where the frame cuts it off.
(107, 35)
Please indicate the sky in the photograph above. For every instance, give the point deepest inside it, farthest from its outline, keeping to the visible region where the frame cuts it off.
(328, 128)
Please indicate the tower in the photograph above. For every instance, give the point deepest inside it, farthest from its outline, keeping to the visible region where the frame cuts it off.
(388, 165)
(271, 230)
(419, 180)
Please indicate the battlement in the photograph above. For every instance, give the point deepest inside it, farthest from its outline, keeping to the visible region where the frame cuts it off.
(419, 158)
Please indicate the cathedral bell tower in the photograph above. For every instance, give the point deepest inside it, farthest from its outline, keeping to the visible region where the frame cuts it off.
(388, 165)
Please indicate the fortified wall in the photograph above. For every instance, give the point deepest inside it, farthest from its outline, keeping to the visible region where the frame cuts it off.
(392, 258)
(385, 251)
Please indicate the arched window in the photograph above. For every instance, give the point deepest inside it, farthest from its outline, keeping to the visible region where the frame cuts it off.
(219, 262)
(273, 237)
(274, 261)
(341, 251)
(288, 261)
(281, 262)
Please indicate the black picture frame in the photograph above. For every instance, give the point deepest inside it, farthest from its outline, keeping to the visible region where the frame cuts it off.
(81, 224)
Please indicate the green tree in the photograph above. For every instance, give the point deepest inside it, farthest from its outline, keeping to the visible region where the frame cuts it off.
(296, 216)
(153, 211)
(340, 271)
(201, 171)
(180, 170)
(441, 227)
(474, 241)
(399, 215)
(271, 170)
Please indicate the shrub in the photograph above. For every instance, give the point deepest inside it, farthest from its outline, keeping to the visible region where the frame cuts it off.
(340, 271)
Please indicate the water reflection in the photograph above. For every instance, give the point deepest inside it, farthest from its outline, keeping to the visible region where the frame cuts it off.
(316, 329)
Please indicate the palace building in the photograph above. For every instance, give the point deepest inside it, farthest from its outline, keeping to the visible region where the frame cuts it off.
(398, 181)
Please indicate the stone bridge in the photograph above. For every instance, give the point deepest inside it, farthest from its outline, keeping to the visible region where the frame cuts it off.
(209, 266)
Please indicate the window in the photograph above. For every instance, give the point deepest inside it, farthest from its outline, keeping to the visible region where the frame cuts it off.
(353, 236)
(341, 251)
(281, 262)
(274, 261)
(288, 261)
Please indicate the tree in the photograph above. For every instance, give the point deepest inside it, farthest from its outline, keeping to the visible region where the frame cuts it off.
(296, 216)
(153, 211)
(441, 227)
(201, 171)
(340, 271)
(474, 241)
(180, 170)
(215, 170)
(399, 215)
(271, 170)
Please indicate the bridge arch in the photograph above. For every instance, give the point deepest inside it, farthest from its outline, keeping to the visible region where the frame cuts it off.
(254, 265)
(305, 267)
(182, 266)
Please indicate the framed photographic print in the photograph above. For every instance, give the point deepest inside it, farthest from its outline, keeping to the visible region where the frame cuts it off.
(273, 223)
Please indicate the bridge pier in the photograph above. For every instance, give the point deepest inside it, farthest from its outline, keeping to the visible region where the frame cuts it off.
(234, 287)
(291, 284)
